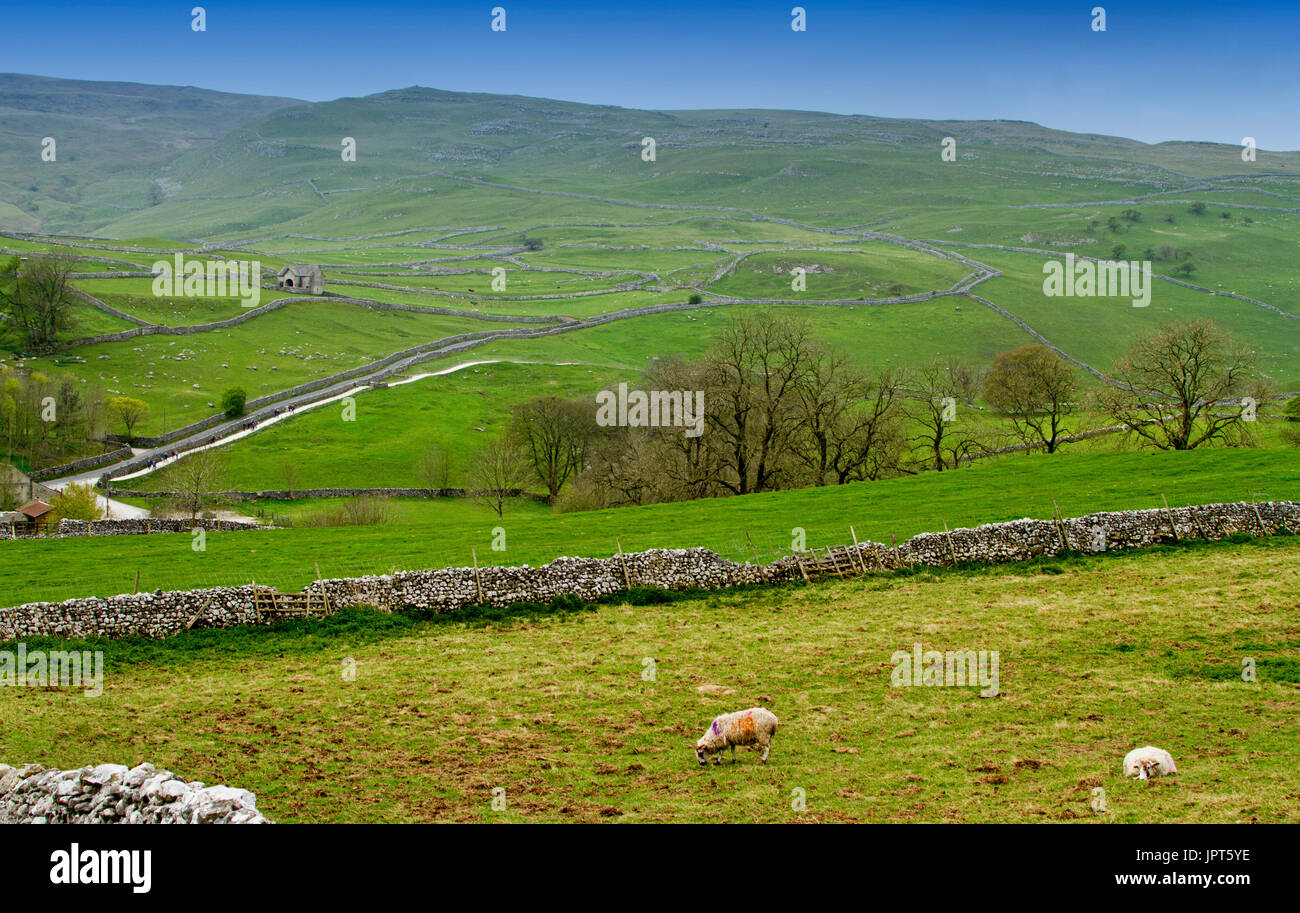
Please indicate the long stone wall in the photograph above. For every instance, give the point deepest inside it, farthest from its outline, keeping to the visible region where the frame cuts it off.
(284, 494)
(104, 459)
(116, 794)
(162, 613)
(147, 525)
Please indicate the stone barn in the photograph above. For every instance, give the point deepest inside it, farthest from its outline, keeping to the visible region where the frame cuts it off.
(308, 278)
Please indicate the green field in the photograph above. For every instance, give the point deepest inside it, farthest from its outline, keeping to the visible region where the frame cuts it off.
(990, 491)
(582, 230)
(542, 212)
(1096, 656)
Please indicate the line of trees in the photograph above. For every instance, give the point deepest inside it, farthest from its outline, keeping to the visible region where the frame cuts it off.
(783, 410)
(45, 418)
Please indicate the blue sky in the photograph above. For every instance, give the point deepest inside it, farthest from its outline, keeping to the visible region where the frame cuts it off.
(1160, 71)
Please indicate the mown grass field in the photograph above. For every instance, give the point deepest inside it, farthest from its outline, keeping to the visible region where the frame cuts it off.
(1097, 655)
(443, 535)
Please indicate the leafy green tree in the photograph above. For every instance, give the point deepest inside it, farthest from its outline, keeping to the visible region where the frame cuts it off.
(128, 411)
(76, 502)
(1291, 431)
(37, 295)
(233, 402)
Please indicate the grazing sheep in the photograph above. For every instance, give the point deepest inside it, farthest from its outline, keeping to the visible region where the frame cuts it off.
(1148, 762)
(754, 726)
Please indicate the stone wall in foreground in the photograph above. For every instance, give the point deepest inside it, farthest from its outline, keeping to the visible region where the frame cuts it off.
(115, 794)
(161, 613)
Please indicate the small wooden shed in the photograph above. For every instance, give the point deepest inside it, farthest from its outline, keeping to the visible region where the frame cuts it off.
(37, 514)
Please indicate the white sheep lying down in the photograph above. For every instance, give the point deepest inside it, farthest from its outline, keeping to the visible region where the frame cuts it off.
(754, 726)
(1147, 762)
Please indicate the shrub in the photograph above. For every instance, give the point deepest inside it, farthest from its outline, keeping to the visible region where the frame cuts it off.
(695, 298)
(76, 502)
(352, 512)
(233, 401)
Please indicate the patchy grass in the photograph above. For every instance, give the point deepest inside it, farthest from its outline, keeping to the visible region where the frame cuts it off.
(1097, 655)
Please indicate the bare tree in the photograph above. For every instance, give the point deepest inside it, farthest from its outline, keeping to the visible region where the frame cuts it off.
(846, 422)
(289, 468)
(946, 440)
(754, 367)
(433, 468)
(676, 465)
(1172, 380)
(554, 434)
(500, 470)
(196, 478)
(1036, 389)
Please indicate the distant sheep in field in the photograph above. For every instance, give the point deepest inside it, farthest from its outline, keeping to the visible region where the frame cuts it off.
(754, 726)
(1148, 762)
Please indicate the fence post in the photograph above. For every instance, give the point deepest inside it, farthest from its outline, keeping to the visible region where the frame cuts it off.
(799, 558)
(752, 548)
(861, 561)
(952, 549)
(627, 580)
(1059, 519)
(1170, 514)
(478, 583)
(1262, 530)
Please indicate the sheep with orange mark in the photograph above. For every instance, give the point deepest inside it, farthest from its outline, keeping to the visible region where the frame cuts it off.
(754, 726)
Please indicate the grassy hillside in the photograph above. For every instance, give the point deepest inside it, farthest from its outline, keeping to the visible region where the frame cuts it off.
(113, 141)
(1095, 656)
(990, 491)
(449, 187)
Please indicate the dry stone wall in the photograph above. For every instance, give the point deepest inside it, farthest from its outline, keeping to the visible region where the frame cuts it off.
(144, 526)
(116, 794)
(104, 459)
(160, 614)
(284, 494)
